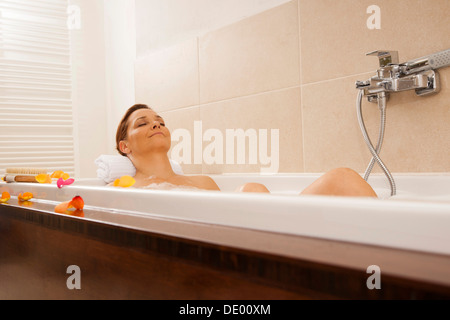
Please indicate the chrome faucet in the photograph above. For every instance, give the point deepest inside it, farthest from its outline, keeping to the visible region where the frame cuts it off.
(392, 76)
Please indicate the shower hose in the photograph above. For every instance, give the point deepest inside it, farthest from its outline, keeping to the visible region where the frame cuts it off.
(375, 151)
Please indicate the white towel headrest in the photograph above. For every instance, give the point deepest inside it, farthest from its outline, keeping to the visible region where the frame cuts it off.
(112, 167)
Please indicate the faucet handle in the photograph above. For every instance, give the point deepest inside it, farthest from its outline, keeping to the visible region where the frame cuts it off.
(385, 57)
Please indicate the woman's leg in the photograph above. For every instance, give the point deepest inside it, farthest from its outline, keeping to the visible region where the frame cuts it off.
(253, 187)
(337, 182)
(340, 182)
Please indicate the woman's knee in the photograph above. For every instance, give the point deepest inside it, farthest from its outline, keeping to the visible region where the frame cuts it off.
(253, 187)
(341, 182)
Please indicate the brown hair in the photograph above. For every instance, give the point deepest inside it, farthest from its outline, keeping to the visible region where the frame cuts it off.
(122, 129)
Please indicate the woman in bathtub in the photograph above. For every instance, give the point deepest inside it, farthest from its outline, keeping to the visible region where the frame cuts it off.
(143, 137)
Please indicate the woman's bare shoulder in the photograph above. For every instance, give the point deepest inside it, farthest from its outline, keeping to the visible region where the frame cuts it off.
(204, 182)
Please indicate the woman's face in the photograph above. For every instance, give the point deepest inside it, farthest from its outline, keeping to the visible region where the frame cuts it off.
(146, 133)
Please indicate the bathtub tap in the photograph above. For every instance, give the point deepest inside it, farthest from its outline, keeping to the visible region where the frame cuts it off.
(392, 76)
(418, 74)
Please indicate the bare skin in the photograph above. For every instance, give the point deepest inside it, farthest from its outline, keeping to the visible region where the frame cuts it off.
(147, 145)
(340, 182)
(148, 142)
(337, 182)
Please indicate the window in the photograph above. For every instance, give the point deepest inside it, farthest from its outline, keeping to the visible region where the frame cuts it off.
(36, 117)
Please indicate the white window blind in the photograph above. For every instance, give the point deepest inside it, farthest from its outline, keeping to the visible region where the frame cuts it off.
(36, 119)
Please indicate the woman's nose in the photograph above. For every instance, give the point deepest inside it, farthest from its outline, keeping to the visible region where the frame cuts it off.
(156, 124)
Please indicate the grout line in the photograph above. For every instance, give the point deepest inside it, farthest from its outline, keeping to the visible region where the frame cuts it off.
(301, 85)
(198, 70)
(267, 92)
(202, 170)
(232, 99)
(180, 108)
(338, 78)
(252, 95)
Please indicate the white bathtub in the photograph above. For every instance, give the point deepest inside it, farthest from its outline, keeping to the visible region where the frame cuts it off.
(417, 219)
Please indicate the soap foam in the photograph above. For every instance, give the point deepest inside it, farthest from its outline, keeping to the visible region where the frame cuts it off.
(170, 186)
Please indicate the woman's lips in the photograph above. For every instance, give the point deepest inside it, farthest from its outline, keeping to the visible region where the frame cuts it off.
(156, 133)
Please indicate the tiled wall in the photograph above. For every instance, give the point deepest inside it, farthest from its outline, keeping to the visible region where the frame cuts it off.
(293, 68)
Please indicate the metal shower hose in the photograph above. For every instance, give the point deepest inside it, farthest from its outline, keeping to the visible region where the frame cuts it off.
(373, 151)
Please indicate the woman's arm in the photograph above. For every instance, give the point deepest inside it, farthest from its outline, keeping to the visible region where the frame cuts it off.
(207, 183)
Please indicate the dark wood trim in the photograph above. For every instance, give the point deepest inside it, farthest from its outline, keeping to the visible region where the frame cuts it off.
(36, 247)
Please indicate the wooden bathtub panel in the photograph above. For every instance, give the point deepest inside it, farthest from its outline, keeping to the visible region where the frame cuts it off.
(36, 247)
(34, 259)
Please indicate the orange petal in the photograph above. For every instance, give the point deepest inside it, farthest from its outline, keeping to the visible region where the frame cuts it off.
(77, 202)
(57, 174)
(43, 178)
(5, 197)
(62, 207)
(124, 182)
(65, 176)
(26, 196)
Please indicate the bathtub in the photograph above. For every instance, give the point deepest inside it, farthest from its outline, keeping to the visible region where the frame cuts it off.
(407, 235)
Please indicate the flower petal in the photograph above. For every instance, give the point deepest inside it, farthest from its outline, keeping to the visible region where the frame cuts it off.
(61, 182)
(57, 174)
(62, 207)
(68, 182)
(43, 178)
(5, 197)
(77, 202)
(25, 197)
(65, 176)
(124, 182)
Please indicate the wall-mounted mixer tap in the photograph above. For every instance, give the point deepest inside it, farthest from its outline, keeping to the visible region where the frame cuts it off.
(392, 76)
(419, 75)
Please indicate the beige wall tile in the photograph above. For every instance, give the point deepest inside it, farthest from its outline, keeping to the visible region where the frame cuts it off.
(258, 54)
(332, 137)
(181, 125)
(164, 23)
(417, 136)
(248, 78)
(335, 36)
(418, 139)
(278, 110)
(168, 79)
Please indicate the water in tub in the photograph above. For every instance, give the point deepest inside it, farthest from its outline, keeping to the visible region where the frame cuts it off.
(169, 186)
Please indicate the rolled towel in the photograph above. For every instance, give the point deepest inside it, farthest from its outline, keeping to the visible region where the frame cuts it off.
(112, 167)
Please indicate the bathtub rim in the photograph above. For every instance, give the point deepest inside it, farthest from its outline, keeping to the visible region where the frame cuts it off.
(407, 209)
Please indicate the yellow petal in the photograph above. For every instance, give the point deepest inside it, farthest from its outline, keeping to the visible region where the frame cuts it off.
(65, 176)
(124, 182)
(43, 178)
(57, 174)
